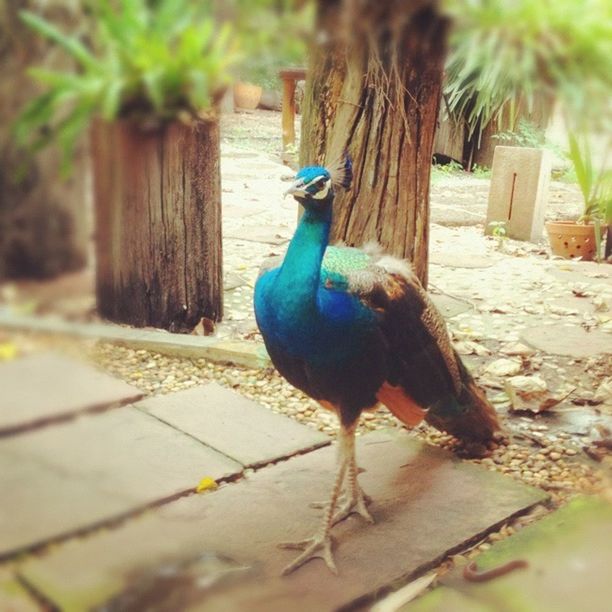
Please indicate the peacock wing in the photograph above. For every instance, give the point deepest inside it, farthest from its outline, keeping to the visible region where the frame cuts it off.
(423, 368)
(415, 331)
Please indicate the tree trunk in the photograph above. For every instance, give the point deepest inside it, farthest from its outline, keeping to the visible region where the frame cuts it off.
(44, 227)
(158, 223)
(374, 88)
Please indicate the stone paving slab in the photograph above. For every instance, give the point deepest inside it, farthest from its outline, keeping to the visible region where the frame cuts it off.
(569, 558)
(64, 478)
(240, 211)
(579, 304)
(426, 503)
(448, 306)
(234, 425)
(40, 388)
(564, 339)
(457, 214)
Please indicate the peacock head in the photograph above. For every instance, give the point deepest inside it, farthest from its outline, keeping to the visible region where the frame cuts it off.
(314, 186)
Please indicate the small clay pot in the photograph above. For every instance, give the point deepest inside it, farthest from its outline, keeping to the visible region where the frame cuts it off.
(572, 240)
(247, 95)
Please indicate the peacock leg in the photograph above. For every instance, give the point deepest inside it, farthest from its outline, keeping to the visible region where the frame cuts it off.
(352, 500)
(320, 545)
(355, 500)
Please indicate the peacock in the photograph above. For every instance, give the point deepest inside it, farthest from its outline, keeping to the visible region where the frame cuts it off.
(353, 328)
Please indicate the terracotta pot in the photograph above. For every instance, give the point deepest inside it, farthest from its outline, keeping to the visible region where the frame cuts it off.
(247, 95)
(572, 240)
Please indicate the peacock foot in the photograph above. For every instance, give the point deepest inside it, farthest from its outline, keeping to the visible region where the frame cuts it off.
(350, 503)
(313, 548)
(354, 503)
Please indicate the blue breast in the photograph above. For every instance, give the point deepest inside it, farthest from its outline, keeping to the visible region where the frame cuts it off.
(328, 328)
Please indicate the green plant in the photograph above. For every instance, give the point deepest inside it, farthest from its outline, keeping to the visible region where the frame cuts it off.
(481, 171)
(141, 59)
(565, 175)
(453, 167)
(595, 185)
(526, 135)
(498, 230)
(505, 55)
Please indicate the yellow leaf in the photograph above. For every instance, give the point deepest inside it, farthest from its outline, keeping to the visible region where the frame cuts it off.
(206, 484)
(8, 351)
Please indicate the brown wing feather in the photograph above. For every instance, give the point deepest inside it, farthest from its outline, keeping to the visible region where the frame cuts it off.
(436, 326)
(421, 360)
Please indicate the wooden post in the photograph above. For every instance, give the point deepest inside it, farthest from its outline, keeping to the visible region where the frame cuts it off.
(289, 77)
(158, 223)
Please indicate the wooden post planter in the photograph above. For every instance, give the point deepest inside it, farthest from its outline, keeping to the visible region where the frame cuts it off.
(157, 196)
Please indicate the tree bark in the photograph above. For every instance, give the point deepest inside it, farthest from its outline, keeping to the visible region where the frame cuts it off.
(44, 227)
(158, 223)
(374, 88)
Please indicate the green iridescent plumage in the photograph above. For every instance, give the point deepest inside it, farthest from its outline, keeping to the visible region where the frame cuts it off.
(339, 262)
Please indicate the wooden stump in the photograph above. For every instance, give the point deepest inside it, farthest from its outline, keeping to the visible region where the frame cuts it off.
(158, 223)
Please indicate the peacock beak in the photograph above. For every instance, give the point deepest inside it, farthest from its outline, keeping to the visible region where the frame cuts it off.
(297, 189)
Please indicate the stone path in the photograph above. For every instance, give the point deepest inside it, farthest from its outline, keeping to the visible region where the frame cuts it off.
(426, 503)
(568, 548)
(75, 474)
(46, 398)
(233, 425)
(63, 481)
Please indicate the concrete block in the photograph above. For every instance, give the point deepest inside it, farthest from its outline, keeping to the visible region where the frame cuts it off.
(519, 191)
(248, 354)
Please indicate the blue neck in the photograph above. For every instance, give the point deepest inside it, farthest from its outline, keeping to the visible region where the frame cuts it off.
(301, 269)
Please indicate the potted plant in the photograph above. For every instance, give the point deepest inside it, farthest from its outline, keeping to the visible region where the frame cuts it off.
(147, 79)
(582, 238)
